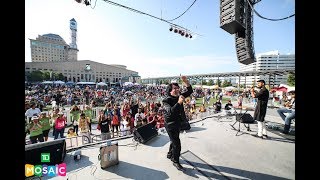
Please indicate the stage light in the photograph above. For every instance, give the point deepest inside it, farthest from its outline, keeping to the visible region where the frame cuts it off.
(182, 33)
(187, 35)
(171, 29)
(190, 36)
(175, 30)
(78, 1)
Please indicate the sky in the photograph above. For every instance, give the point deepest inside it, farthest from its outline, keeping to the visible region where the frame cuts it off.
(114, 35)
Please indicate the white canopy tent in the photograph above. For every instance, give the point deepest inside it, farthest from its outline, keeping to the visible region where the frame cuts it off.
(102, 84)
(58, 82)
(47, 82)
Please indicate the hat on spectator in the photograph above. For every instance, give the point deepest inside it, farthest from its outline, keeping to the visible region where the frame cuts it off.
(261, 81)
(34, 117)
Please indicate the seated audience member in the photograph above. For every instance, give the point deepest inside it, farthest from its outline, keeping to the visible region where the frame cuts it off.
(290, 109)
(228, 106)
(202, 108)
(217, 106)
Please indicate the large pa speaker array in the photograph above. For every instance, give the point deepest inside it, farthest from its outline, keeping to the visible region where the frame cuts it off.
(244, 39)
(56, 148)
(231, 15)
(145, 133)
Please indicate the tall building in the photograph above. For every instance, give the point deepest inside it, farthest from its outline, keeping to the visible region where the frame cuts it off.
(272, 60)
(51, 54)
(73, 50)
(53, 48)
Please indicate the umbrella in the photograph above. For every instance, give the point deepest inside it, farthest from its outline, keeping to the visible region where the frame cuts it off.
(58, 82)
(128, 93)
(102, 84)
(47, 82)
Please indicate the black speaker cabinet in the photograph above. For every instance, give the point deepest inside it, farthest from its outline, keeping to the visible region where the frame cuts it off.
(244, 118)
(145, 133)
(56, 148)
(232, 17)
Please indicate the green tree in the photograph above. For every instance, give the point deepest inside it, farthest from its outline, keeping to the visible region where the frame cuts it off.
(226, 83)
(61, 77)
(36, 76)
(218, 82)
(291, 79)
(204, 82)
(46, 75)
(210, 82)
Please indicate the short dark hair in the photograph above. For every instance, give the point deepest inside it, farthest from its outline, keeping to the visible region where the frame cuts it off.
(262, 81)
(169, 87)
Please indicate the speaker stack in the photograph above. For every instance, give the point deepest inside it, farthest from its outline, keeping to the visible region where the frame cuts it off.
(145, 133)
(236, 18)
(244, 39)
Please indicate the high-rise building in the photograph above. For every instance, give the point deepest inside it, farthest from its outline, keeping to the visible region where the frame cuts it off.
(272, 60)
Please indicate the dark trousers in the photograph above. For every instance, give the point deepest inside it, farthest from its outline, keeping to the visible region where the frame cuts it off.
(175, 144)
(35, 139)
(59, 132)
(75, 128)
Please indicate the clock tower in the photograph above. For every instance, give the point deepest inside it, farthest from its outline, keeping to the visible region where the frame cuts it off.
(73, 28)
(73, 49)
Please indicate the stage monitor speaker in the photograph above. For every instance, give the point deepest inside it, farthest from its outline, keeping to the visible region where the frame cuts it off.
(232, 15)
(56, 148)
(244, 118)
(145, 133)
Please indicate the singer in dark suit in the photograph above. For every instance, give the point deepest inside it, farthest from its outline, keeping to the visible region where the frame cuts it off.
(173, 114)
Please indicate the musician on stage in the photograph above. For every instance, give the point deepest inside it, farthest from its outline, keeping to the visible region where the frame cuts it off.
(261, 108)
(173, 114)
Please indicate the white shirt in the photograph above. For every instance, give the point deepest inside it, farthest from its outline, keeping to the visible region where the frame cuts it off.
(30, 112)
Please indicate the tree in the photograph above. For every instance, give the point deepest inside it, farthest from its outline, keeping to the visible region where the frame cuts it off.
(46, 75)
(291, 79)
(204, 82)
(218, 82)
(210, 82)
(61, 77)
(36, 76)
(226, 83)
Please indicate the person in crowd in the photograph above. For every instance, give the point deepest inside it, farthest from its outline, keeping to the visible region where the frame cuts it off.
(115, 122)
(240, 100)
(32, 111)
(217, 106)
(84, 126)
(228, 106)
(45, 123)
(88, 113)
(261, 108)
(138, 117)
(105, 125)
(289, 107)
(60, 123)
(71, 133)
(54, 115)
(75, 116)
(173, 108)
(35, 129)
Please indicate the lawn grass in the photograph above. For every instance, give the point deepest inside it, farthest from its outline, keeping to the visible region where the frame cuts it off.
(212, 100)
